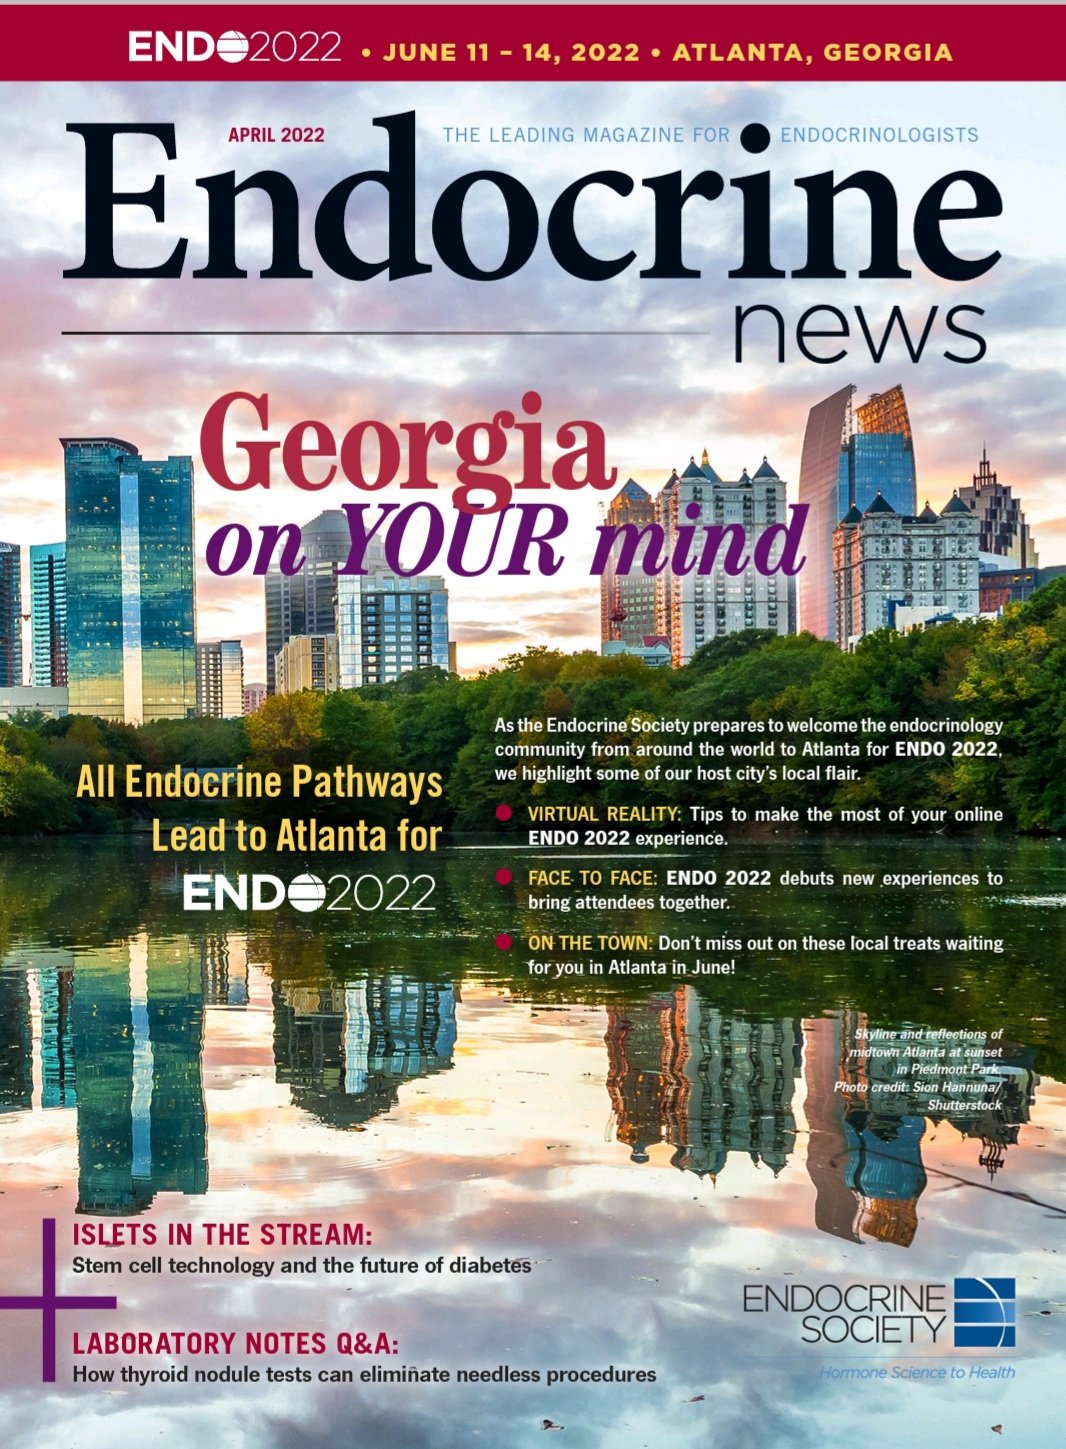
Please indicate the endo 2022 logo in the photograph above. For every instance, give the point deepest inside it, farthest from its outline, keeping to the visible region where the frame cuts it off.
(315, 47)
(985, 1312)
(194, 45)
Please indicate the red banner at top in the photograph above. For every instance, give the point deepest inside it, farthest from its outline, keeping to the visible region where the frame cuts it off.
(532, 42)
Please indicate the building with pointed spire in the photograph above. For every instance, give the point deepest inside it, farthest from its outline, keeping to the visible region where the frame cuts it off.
(1006, 541)
(627, 601)
(867, 1110)
(885, 561)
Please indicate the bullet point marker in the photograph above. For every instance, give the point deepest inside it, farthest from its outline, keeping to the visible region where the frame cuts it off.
(503, 942)
(503, 812)
(504, 876)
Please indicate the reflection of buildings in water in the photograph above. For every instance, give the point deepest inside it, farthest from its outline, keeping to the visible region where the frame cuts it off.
(681, 1072)
(136, 1029)
(869, 1093)
(16, 1042)
(50, 969)
(346, 1050)
(56, 987)
(224, 970)
(834, 1202)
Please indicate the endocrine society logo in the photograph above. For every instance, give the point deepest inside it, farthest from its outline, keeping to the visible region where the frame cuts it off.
(985, 1312)
(231, 46)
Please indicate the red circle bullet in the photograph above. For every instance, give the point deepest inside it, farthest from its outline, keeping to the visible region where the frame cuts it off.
(504, 876)
(503, 942)
(503, 812)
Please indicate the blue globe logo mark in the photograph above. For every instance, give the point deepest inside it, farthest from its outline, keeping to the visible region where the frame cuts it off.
(985, 1312)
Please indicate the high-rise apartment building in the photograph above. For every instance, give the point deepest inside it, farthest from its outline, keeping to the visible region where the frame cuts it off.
(307, 661)
(305, 603)
(850, 456)
(220, 679)
(388, 625)
(1005, 537)
(884, 561)
(10, 615)
(253, 697)
(706, 606)
(48, 614)
(627, 601)
(131, 647)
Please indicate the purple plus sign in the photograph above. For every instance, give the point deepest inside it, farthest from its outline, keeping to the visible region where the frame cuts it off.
(48, 1301)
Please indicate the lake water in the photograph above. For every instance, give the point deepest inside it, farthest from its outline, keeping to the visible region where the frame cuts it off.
(653, 1146)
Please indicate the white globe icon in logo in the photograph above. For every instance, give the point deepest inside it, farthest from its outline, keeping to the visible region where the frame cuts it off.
(232, 46)
(306, 893)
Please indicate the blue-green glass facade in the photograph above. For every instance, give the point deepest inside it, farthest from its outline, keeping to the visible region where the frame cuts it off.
(131, 642)
(873, 463)
(48, 614)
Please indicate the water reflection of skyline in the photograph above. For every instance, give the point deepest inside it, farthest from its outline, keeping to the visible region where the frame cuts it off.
(708, 1084)
(118, 1034)
(345, 1051)
(119, 1037)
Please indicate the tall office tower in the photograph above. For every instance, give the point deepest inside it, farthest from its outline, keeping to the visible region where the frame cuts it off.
(306, 661)
(707, 606)
(305, 603)
(131, 589)
(664, 594)
(627, 601)
(1005, 535)
(850, 455)
(220, 679)
(884, 561)
(48, 613)
(388, 625)
(10, 615)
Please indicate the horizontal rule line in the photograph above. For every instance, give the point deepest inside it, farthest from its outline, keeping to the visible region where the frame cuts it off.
(372, 332)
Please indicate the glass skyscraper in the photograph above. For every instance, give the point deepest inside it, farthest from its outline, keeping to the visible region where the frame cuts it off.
(131, 648)
(388, 625)
(10, 615)
(849, 456)
(48, 613)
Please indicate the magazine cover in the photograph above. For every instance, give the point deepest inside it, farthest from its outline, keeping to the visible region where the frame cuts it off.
(532, 726)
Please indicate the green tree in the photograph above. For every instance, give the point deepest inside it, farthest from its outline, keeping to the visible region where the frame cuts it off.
(286, 728)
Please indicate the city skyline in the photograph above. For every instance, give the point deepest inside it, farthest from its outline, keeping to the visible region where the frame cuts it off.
(306, 604)
(659, 398)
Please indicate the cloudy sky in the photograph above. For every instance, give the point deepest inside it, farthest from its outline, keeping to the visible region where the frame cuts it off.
(660, 398)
